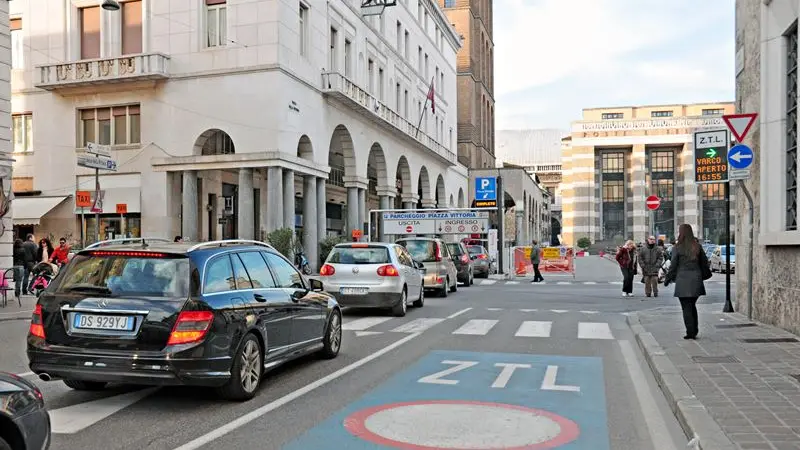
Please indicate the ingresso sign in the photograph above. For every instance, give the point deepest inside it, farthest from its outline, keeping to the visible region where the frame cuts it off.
(461, 222)
(648, 124)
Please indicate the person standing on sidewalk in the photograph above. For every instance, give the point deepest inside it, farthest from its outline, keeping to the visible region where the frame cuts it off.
(535, 260)
(650, 260)
(626, 258)
(30, 260)
(688, 268)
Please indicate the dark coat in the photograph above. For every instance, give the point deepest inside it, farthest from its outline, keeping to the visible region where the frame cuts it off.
(650, 260)
(686, 273)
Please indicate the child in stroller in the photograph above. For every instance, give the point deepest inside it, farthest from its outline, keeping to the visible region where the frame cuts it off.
(42, 274)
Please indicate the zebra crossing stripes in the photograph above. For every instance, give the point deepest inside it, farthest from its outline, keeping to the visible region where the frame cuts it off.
(364, 323)
(563, 283)
(476, 327)
(417, 325)
(594, 330)
(533, 328)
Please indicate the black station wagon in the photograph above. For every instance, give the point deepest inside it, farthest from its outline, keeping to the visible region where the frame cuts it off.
(154, 312)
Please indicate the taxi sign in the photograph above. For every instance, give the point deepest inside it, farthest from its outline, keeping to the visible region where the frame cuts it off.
(711, 156)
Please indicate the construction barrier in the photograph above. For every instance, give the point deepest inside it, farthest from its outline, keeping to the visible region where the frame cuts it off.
(560, 260)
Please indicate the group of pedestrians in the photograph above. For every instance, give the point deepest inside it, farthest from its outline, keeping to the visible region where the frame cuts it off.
(28, 254)
(688, 269)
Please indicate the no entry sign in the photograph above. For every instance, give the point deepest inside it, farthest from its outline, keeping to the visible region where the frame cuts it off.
(653, 203)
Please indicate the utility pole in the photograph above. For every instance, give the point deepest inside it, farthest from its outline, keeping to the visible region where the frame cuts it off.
(501, 218)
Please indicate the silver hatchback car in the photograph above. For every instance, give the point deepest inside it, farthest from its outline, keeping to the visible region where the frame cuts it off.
(373, 275)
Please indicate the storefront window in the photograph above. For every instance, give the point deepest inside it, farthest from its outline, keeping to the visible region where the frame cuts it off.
(112, 226)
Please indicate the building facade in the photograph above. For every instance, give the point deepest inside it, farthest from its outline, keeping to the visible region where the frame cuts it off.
(6, 168)
(617, 157)
(766, 83)
(473, 21)
(232, 120)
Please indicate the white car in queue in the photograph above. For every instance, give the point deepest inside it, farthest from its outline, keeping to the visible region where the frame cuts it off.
(373, 275)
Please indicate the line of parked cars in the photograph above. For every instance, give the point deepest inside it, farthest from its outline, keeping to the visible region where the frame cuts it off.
(393, 275)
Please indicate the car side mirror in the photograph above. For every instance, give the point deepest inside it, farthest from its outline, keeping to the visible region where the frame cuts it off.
(316, 285)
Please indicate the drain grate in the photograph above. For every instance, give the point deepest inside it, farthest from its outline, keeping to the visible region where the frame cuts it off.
(768, 340)
(738, 325)
(702, 359)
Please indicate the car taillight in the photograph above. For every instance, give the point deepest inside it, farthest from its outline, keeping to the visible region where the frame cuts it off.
(191, 326)
(482, 256)
(37, 326)
(464, 258)
(388, 271)
(438, 252)
(327, 270)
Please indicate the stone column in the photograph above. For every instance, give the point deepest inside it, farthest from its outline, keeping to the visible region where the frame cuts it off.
(288, 199)
(246, 219)
(274, 199)
(429, 204)
(519, 222)
(310, 239)
(385, 203)
(189, 214)
(362, 207)
(322, 214)
(640, 189)
(352, 210)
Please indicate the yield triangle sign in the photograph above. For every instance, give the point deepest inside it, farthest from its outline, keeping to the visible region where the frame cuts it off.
(740, 124)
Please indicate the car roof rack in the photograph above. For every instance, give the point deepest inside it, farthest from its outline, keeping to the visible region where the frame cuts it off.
(221, 243)
(143, 240)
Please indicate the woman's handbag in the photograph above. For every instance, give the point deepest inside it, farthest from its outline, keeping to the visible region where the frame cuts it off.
(705, 266)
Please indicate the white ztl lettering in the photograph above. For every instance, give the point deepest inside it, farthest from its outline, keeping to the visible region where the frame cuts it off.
(549, 382)
(436, 378)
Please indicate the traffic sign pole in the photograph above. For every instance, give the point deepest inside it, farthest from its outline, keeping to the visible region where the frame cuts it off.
(728, 304)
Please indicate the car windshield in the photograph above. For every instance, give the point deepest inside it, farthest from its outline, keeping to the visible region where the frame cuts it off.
(422, 251)
(118, 274)
(356, 255)
(455, 249)
(733, 250)
(475, 250)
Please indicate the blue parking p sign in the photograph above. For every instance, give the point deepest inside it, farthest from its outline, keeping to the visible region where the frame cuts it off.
(485, 188)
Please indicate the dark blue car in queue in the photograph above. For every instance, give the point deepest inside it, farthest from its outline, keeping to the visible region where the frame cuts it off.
(150, 312)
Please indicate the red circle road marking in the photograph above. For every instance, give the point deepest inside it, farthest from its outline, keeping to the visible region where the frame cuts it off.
(356, 424)
(409, 229)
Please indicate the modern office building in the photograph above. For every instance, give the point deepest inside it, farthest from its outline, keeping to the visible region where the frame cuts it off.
(766, 83)
(232, 118)
(473, 21)
(617, 157)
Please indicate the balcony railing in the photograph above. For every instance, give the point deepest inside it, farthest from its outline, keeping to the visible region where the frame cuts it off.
(336, 84)
(88, 72)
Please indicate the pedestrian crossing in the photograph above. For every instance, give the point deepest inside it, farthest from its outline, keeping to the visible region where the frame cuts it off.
(564, 283)
(488, 321)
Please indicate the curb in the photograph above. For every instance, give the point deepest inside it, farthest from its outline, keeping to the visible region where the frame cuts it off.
(693, 417)
(9, 319)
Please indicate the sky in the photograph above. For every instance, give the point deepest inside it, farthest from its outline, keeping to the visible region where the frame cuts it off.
(555, 57)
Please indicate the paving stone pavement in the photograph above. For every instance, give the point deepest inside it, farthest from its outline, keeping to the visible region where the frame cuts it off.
(752, 397)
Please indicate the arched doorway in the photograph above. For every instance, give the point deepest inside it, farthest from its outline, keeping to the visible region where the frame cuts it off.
(423, 187)
(441, 195)
(378, 176)
(221, 219)
(402, 181)
(460, 197)
(341, 160)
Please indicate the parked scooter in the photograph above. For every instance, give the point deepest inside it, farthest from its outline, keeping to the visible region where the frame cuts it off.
(301, 261)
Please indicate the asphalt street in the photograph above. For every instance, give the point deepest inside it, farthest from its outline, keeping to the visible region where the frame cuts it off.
(494, 365)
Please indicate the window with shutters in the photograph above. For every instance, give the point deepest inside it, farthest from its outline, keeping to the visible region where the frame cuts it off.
(90, 32)
(22, 132)
(131, 27)
(117, 125)
(17, 44)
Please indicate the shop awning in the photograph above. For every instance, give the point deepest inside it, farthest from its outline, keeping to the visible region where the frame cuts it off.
(30, 210)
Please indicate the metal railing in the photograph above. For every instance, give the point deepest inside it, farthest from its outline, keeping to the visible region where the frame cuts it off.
(228, 242)
(338, 83)
(143, 240)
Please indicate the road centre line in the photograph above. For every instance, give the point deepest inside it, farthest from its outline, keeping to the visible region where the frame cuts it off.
(275, 404)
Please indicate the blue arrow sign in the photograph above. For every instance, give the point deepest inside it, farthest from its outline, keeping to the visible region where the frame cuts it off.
(740, 156)
(486, 188)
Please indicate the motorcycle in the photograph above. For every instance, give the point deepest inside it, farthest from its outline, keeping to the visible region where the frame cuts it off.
(301, 262)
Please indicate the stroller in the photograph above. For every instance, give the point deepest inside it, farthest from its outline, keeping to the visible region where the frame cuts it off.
(42, 274)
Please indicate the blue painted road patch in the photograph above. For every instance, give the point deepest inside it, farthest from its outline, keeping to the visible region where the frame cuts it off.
(471, 400)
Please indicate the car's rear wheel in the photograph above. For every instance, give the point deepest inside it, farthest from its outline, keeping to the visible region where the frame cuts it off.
(454, 287)
(399, 310)
(419, 303)
(80, 385)
(445, 288)
(332, 342)
(246, 371)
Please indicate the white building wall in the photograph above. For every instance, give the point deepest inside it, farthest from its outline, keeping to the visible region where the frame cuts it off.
(258, 88)
(6, 235)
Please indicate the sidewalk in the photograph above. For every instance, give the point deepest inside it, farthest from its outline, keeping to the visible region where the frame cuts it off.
(736, 387)
(13, 311)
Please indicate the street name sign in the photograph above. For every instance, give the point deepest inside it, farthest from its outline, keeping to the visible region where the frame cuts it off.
(97, 149)
(450, 222)
(740, 124)
(97, 162)
(711, 156)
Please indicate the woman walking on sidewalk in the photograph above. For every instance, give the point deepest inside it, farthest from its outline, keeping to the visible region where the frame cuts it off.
(688, 268)
(626, 258)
